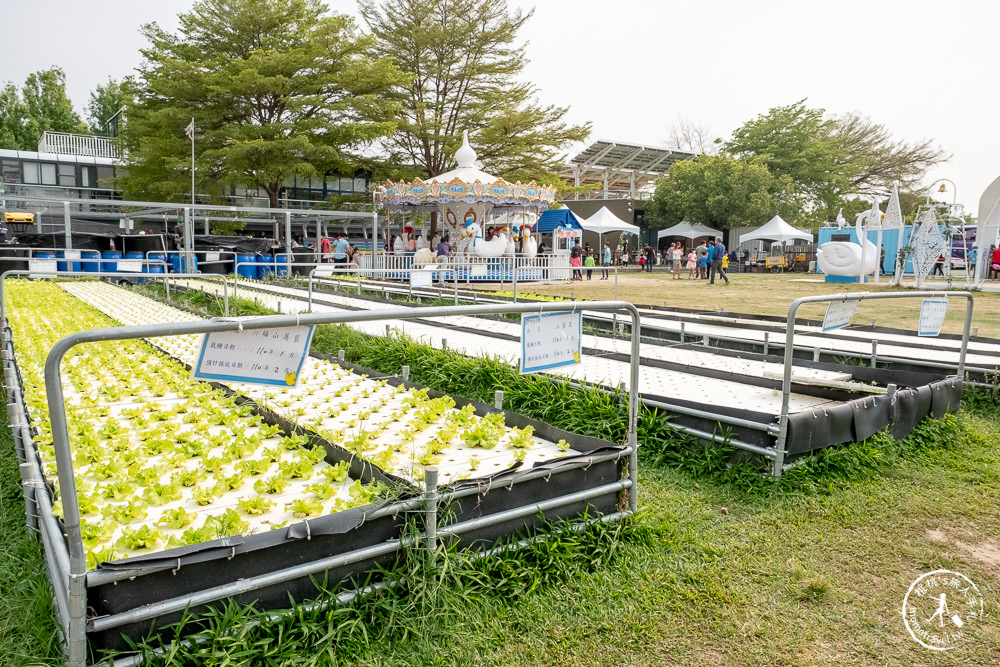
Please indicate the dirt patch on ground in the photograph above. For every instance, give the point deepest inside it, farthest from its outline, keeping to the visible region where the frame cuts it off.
(986, 551)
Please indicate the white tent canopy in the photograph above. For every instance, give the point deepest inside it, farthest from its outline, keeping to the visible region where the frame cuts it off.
(688, 230)
(605, 221)
(778, 230)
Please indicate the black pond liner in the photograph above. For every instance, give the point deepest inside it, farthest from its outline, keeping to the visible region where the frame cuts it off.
(187, 570)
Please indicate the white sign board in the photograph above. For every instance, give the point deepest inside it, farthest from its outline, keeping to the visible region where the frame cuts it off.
(839, 314)
(211, 257)
(932, 312)
(261, 356)
(42, 267)
(129, 265)
(550, 340)
(420, 278)
(72, 254)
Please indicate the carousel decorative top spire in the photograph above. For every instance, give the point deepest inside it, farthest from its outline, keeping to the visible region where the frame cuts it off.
(465, 156)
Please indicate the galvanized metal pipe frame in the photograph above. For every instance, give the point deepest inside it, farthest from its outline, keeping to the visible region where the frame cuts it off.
(76, 623)
(786, 383)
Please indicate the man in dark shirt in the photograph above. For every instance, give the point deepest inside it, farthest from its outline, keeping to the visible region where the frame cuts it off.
(718, 252)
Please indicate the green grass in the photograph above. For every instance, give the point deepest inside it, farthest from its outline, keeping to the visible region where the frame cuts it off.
(723, 568)
(28, 634)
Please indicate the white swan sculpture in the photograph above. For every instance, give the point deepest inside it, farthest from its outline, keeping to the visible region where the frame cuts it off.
(480, 247)
(402, 241)
(843, 258)
(529, 245)
(511, 247)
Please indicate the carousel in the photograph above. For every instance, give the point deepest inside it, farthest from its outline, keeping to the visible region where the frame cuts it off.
(482, 216)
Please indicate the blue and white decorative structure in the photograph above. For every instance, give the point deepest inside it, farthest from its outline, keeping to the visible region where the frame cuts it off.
(893, 219)
(928, 244)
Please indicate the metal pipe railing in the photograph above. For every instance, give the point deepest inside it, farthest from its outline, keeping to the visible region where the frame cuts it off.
(76, 623)
(786, 383)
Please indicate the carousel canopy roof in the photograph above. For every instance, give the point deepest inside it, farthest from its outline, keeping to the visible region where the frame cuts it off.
(466, 184)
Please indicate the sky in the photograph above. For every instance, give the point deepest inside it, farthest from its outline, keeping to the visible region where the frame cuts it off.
(634, 68)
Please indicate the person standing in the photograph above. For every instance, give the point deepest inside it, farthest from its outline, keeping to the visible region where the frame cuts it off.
(650, 258)
(971, 259)
(881, 258)
(677, 258)
(590, 264)
(692, 264)
(576, 260)
(699, 251)
(340, 250)
(324, 249)
(606, 260)
(718, 252)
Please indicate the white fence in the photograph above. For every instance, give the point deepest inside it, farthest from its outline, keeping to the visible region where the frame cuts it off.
(65, 143)
(548, 267)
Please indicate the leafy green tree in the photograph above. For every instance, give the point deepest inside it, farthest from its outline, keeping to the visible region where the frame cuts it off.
(464, 64)
(798, 142)
(13, 133)
(42, 106)
(832, 159)
(105, 101)
(719, 191)
(276, 88)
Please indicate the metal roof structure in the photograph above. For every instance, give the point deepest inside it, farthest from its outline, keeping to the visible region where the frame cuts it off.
(619, 165)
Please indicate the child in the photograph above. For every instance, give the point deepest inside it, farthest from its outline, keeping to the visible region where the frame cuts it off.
(703, 264)
(692, 264)
(590, 264)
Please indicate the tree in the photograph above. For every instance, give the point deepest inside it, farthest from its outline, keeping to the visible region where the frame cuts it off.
(463, 64)
(692, 137)
(878, 160)
(105, 101)
(719, 191)
(799, 142)
(41, 107)
(831, 159)
(13, 133)
(276, 88)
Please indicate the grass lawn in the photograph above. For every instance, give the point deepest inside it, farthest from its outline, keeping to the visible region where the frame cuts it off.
(771, 294)
(721, 569)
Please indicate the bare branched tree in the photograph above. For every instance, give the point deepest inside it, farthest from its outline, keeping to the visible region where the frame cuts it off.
(877, 159)
(692, 137)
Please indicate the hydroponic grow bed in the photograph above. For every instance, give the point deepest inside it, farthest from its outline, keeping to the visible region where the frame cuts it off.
(137, 422)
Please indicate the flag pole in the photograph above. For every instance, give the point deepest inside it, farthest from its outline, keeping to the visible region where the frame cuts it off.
(192, 164)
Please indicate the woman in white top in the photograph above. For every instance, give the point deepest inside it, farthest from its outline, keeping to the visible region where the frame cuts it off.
(676, 253)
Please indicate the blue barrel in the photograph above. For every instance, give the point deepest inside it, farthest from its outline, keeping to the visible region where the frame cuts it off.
(92, 266)
(61, 266)
(246, 266)
(139, 256)
(280, 266)
(110, 267)
(179, 264)
(157, 257)
(265, 265)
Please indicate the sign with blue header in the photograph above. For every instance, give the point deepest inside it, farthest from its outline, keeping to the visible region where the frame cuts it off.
(260, 356)
(550, 340)
(839, 314)
(932, 312)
